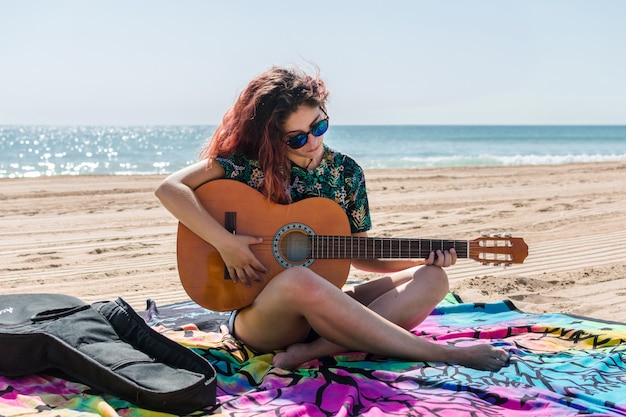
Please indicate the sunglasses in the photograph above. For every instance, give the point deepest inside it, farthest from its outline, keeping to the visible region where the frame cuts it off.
(318, 129)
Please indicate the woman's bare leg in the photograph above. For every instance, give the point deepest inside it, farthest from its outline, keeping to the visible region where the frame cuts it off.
(405, 298)
(281, 314)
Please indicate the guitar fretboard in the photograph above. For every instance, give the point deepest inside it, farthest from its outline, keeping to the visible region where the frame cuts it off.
(350, 247)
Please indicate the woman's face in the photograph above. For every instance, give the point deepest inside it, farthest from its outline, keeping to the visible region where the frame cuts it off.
(302, 121)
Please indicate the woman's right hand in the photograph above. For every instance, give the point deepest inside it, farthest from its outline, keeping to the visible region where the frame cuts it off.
(240, 262)
(177, 195)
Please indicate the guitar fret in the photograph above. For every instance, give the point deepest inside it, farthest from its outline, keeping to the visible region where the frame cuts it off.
(328, 242)
(329, 248)
(341, 253)
(341, 247)
(317, 247)
(351, 247)
(320, 245)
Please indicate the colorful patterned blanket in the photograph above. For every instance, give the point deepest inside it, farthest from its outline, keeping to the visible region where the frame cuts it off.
(560, 365)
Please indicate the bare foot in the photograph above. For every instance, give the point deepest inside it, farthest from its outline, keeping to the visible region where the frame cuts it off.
(293, 357)
(483, 357)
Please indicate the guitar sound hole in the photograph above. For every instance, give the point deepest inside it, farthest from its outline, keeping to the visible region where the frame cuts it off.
(295, 247)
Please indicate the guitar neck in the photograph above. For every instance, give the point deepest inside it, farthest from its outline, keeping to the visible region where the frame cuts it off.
(351, 247)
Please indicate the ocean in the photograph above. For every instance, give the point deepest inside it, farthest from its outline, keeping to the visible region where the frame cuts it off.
(33, 151)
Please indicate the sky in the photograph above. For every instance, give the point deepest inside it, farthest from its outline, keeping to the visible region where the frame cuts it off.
(438, 62)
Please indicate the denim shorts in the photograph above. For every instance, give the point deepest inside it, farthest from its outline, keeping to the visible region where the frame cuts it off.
(313, 335)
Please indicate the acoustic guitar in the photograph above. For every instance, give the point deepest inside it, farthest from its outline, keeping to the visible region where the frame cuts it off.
(313, 233)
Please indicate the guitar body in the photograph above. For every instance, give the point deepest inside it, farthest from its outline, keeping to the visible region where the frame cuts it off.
(284, 229)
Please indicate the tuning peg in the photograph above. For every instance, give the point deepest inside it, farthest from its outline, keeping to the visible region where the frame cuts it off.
(496, 235)
(508, 235)
(483, 234)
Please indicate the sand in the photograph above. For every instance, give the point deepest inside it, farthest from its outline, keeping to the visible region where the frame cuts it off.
(102, 237)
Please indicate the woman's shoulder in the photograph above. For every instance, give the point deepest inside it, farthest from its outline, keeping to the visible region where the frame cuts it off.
(238, 165)
(237, 159)
(341, 160)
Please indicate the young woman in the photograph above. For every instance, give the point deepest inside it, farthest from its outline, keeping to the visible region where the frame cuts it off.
(272, 139)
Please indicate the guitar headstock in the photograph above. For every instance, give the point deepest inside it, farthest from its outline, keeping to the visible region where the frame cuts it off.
(498, 249)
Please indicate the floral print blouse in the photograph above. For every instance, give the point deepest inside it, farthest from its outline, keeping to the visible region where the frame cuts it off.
(337, 177)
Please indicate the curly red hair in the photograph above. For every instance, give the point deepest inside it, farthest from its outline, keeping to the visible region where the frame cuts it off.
(254, 125)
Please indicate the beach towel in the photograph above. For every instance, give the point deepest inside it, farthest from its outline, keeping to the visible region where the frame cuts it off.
(560, 365)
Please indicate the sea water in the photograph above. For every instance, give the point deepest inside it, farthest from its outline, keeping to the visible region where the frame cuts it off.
(32, 151)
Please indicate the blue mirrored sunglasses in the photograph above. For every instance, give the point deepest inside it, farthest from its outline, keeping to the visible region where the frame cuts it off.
(318, 129)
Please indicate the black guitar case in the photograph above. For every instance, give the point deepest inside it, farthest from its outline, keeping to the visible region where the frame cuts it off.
(106, 346)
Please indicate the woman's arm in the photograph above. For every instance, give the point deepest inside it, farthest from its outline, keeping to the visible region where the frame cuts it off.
(177, 195)
(438, 258)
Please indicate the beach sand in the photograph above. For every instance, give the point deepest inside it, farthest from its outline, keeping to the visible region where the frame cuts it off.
(102, 237)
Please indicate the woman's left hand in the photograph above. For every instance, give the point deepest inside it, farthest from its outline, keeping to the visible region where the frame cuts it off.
(442, 258)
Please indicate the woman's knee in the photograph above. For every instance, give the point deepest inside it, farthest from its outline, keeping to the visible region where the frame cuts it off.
(435, 278)
(299, 284)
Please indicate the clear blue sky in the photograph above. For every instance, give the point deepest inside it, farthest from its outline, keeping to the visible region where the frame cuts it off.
(87, 62)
